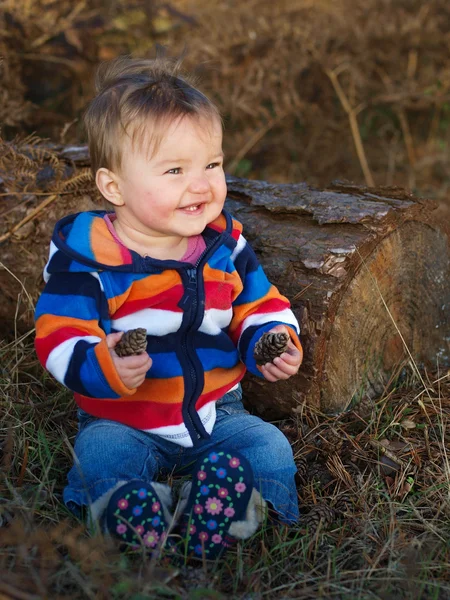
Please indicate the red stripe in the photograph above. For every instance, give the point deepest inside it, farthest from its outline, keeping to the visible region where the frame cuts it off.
(218, 294)
(235, 234)
(270, 306)
(216, 394)
(273, 305)
(146, 415)
(45, 345)
(140, 415)
(127, 259)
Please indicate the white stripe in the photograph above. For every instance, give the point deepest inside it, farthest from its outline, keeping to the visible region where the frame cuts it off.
(178, 434)
(59, 358)
(241, 243)
(52, 251)
(97, 276)
(215, 320)
(286, 316)
(155, 321)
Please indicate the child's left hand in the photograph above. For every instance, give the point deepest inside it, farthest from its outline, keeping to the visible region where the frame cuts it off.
(283, 366)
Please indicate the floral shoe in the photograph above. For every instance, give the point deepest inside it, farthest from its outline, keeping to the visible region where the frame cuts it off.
(222, 484)
(137, 515)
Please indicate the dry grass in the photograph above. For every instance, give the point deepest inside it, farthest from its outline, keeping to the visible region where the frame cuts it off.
(310, 90)
(383, 469)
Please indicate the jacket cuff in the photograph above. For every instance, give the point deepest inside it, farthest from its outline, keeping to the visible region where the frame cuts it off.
(109, 371)
(250, 361)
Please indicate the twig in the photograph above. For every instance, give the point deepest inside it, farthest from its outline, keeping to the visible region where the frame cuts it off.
(352, 112)
(254, 139)
(301, 292)
(29, 217)
(416, 369)
(21, 284)
(5, 588)
(408, 139)
(387, 453)
(50, 58)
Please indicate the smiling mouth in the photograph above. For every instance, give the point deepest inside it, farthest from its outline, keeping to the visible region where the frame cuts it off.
(193, 208)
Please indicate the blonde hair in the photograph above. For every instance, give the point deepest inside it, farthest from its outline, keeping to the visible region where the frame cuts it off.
(133, 94)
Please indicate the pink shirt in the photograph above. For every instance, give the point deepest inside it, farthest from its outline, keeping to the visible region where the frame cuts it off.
(196, 243)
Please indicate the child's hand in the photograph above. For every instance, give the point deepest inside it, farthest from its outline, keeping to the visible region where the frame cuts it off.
(131, 369)
(283, 366)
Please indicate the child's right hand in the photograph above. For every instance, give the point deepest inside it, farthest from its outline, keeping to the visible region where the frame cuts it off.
(131, 369)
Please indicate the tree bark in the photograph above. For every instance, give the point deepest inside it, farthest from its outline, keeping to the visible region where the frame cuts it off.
(367, 272)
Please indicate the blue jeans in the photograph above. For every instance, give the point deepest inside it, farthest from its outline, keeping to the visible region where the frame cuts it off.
(108, 452)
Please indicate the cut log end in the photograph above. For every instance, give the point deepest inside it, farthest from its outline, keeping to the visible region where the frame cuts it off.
(395, 309)
(368, 275)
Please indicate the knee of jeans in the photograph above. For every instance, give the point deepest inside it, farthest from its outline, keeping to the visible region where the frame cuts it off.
(276, 451)
(106, 451)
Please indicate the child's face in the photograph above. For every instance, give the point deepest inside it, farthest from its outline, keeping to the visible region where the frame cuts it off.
(181, 188)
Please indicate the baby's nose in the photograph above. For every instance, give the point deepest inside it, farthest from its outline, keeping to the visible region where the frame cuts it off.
(199, 185)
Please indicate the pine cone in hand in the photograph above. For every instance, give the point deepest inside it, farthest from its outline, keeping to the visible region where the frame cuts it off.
(319, 514)
(269, 346)
(132, 342)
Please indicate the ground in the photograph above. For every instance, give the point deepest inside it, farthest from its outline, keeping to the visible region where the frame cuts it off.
(381, 471)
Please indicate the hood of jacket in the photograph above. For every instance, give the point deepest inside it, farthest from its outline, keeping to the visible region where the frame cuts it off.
(83, 242)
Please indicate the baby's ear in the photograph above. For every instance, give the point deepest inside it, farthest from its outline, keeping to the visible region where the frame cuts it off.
(108, 185)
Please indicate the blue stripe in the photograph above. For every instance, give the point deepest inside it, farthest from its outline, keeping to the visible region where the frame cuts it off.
(221, 260)
(246, 261)
(213, 359)
(59, 262)
(165, 365)
(256, 286)
(170, 342)
(78, 307)
(79, 284)
(84, 374)
(80, 232)
(121, 282)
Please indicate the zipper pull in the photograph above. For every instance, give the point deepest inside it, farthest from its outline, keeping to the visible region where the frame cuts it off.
(190, 289)
(192, 284)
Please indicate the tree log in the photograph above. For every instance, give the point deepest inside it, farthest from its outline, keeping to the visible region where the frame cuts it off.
(366, 270)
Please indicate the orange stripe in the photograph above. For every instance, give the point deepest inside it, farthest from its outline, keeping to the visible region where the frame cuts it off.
(295, 339)
(109, 370)
(145, 288)
(106, 250)
(210, 274)
(244, 310)
(216, 275)
(219, 223)
(161, 391)
(218, 378)
(47, 324)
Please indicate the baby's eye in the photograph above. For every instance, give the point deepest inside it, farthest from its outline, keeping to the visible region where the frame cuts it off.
(213, 165)
(175, 171)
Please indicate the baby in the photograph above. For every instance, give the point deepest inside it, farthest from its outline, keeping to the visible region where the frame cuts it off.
(166, 257)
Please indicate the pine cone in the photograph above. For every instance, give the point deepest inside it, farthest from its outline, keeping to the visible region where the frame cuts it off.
(132, 342)
(319, 514)
(302, 468)
(269, 346)
(343, 504)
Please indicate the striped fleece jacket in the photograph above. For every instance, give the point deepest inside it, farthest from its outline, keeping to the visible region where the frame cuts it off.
(202, 323)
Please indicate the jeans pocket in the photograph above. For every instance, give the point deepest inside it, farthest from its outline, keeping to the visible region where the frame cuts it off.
(231, 404)
(84, 418)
